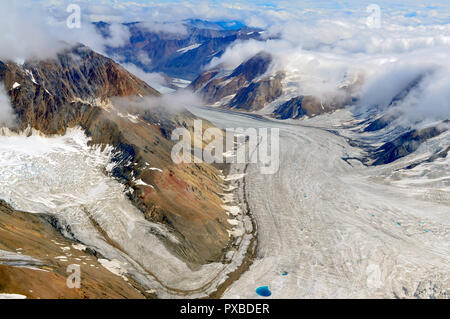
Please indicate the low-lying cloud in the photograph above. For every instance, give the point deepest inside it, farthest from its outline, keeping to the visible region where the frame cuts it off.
(174, 102)
(164, 27)
(7, 115)
(154, 79)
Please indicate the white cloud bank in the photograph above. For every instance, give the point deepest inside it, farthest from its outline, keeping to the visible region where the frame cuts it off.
(172, 102)
(32, 31)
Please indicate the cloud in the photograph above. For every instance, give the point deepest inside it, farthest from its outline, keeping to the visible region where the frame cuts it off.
(23, 34)
(239, 52)
(143, 58)
(177, 101)
(320, 44)
(165, 27)
(155, 80)
(411, 87)
(320, 55)
(426, 103)
(30, 31)
(7, 115)
(119, 35)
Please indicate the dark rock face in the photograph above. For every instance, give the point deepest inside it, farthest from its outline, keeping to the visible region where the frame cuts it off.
(258, 94)
(290, 109)
(254, 67)
(203, 79)
(57, 94)
(91, 75)
(79, 88)
(406, 140)
(242, 82)
(407, 89)
(251, 88)
(218, 88)
(378, 124)
(405, 144)
(166, 49)
(308, 105)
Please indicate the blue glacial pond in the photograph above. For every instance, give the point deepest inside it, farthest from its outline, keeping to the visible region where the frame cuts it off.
(263, 291)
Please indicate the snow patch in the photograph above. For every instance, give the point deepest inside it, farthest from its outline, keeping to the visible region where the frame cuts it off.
(189, 48)
(140, 182)
(79, 247)
(113, 266)
(234, 177)
(30, 74)
(12, 296)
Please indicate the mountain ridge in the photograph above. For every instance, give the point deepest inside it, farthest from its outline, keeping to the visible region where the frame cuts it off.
(77, 89)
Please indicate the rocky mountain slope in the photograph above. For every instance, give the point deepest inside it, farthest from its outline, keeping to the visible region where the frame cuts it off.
(300, 106)
(33, 262)
(78, 90)
(245, 87)
(409, 142)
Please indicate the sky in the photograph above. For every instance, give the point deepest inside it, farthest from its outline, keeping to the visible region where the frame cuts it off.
(388, 43)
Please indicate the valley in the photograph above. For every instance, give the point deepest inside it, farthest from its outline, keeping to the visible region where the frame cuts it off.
(330, 229)
(64, 178)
